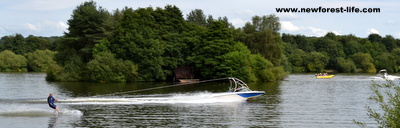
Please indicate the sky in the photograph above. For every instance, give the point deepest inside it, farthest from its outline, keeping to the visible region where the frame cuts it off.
(49, 17)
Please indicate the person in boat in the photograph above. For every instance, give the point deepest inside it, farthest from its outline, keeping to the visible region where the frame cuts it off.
(238, 89)
(50, 101)
(241, 89)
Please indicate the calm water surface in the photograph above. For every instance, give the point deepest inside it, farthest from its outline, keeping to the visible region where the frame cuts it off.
(298, 101)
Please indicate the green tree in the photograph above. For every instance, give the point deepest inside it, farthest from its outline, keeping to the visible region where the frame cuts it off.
(37, 43)
(373, 37)
(352, 47)
(385, 61)
(20, 45)
(271, 47)
(331, 35)
(73, 70)
(105, 68)
(9, 61)
(103, 46)
(373, 46)
(396, 54)
(88, 25)
(40, 60)
(242, 64)
(346, 65)
(266, 22)
(316, 61)
(291, 42)
(389, 42)
(171, 27)
(2, 48)
(297, 59)
(157, 41)
(137, 40)
(247, 36)
(236, 64)
(364, 62)
(387, 96)
(261, 37)
(197, 16)
(299, 42)
(15, 43)
(334, 49)
(54, 73)
(304, 43)
(218, 41)
(265, 70)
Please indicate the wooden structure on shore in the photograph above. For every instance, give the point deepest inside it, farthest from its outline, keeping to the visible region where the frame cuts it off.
(184, 74)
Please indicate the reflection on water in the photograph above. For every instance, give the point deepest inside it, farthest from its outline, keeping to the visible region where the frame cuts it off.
(298, 101)
(53, 122)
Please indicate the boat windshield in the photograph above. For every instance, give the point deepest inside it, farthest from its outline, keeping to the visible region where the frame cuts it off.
(382, 73)
(237, 85)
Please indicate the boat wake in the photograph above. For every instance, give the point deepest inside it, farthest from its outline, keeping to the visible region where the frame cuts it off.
(25, 111)
(238, 91)
(39, 107)
(388, 77)
(194, 98)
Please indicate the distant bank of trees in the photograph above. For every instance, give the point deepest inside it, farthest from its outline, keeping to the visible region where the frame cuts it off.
(18, 53)
(36, 61)
(147, 44)
(345, 53)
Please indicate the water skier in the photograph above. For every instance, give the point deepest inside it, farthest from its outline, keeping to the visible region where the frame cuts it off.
(51, 101)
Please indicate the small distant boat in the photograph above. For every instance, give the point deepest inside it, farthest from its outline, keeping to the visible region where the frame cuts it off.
(325, 77)
(382, 73)
(239, 89)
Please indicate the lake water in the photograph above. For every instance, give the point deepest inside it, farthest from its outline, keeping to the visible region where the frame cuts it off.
(298, 101)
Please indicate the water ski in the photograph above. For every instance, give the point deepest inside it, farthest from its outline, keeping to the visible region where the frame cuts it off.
(65, 112)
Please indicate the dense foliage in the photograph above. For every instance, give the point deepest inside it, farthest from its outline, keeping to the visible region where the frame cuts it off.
(37, 61)
(9, 61)
(18, 44)
(345, 53)
(147, 44)
(104, 66)
(40, 60)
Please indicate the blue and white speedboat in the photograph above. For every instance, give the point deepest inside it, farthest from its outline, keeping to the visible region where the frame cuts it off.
(238, 90)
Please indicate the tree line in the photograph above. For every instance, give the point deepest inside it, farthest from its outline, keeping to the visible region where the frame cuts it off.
(345, 53)
(26, 54)
(147, 44)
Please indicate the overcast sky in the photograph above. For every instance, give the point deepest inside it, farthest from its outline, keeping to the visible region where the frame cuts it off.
(49, 17)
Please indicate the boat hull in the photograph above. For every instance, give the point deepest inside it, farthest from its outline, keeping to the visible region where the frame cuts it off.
(239, 95)
(250, 94)
(324, 77)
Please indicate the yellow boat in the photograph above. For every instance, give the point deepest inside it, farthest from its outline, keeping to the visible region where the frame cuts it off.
(324, 77)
